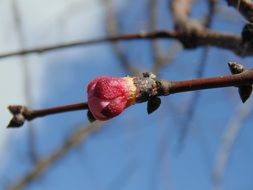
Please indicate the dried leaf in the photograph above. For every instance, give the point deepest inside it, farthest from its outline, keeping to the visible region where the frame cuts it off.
(245, 92)
(153, 104)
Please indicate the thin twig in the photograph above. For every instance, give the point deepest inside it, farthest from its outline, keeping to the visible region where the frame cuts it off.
(112, 29)
(245, 78)
(156, 52)
(195, 38)
(180, 10)
(245, 7)
(199, 73)
(135, 36)
(22, 113)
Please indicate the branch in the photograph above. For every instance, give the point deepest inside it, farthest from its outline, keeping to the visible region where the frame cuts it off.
(22, 113)
(171, 87)
(150, 87)
(245, 7)
(44, 164)
(199, 73)
(180, 10)
(142, 35)
(192, 39)
(160, 58)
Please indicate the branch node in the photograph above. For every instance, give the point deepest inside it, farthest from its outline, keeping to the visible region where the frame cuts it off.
(20, 115)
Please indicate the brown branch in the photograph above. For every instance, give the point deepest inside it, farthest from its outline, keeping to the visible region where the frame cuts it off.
(245, 7)
(211, 11)
(142, 35)
(170, 87)
(44, 164)
(189, 40)
(156, 52)
(240, 78)
(22, 113)
(160, 58)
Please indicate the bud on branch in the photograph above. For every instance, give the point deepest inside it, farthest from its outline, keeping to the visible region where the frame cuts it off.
(110, 96)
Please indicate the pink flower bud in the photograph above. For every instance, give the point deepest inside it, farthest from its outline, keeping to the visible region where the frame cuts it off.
(109, 96)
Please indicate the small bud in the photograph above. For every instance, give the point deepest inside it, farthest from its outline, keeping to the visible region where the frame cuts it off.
(109, 96)
(235, 68)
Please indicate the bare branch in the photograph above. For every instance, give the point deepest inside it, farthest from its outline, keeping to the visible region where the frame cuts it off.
(199, 74)
(189, 40)
(160, 58)
(112, 29)
(27, 78)
(22, 113)
(180, 10)
(170, 87)
(44, 164)
(245, 7)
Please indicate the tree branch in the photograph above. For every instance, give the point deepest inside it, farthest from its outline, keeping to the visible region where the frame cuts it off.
(170, 87)
(192, 39)
(239, 78)
(245, 7)
(22, 113)
(27, 77)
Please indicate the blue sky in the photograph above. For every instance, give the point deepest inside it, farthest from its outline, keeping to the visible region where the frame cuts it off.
(134, 150)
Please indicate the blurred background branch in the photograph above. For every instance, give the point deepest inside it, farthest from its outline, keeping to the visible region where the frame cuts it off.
(43, 165)
(27, 80)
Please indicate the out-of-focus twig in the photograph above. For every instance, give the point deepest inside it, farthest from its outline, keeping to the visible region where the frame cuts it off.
(199, 73)
(43, 165)
(112, 29)
(160, 59)
(152, 88)
(245, 7)
(193, 39)
(180, 10)
(228, 140)
(27, 79)
(22, 113)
